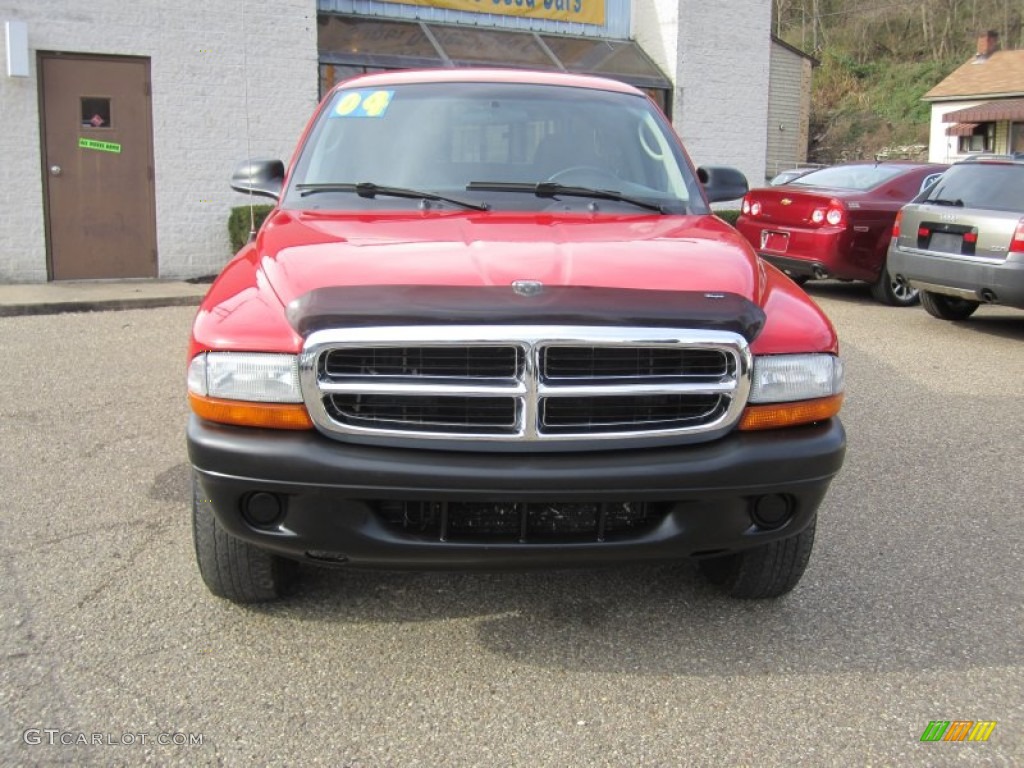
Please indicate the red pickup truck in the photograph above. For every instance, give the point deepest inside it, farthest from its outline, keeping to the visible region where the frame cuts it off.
(493, 322)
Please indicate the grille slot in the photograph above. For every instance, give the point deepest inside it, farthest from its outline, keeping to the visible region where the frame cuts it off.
(628, 412)
(523, 522)
(466, 362)
(414, 411)
(604, 363)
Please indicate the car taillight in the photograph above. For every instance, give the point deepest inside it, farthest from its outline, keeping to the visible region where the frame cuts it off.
(1017, 244)
(834, 214)
(745, 205)
(755, 208)
(896, 224)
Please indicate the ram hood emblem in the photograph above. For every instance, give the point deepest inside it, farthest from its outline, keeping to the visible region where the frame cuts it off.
(527, 287)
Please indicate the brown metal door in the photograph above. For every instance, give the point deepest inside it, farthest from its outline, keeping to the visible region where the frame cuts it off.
(98, 167)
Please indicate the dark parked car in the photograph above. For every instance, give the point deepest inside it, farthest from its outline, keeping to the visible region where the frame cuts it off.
(961, 242)
(837, 223)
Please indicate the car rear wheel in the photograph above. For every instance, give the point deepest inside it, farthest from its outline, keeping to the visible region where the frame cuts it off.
(948, 307)
(895, 294)
(232, 568)
(770, 570)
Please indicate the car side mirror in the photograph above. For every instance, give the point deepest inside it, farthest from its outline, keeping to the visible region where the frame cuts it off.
(259, 177)
(722, 183)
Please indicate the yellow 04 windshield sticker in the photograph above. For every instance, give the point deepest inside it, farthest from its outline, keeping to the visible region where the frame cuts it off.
(363, 104)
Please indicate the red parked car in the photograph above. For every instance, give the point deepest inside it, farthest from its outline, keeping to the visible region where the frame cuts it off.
(837, 223)
(492, 321)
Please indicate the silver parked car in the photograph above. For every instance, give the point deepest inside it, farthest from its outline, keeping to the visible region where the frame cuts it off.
(961, 241)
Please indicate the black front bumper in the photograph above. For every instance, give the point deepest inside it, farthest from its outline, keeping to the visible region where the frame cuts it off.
(331, 494)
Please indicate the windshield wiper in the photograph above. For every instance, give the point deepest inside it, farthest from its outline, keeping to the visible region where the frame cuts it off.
(554, 189)
(370, 190)
(940, 201)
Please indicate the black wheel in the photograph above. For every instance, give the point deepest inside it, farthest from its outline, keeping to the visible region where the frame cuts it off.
(888, 291)
(770, 570)
(948, 307)
(232, 568)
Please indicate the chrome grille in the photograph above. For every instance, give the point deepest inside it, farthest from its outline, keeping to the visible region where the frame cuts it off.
(496, 385)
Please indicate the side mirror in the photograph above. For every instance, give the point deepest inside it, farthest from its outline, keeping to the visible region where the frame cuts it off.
(722, 183)
(259, 177)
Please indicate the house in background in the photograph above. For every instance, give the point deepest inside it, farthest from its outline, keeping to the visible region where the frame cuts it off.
(980, 106)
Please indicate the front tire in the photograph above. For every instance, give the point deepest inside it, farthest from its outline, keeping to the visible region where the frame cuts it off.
(888, 291)
(770, 570)
(948, 307)
(232, 568)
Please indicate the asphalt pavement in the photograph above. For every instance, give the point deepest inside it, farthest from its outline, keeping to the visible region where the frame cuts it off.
(910, 611)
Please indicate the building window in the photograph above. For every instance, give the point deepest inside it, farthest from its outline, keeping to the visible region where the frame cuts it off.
(95, 112)
(1017, 138)
(982, 139)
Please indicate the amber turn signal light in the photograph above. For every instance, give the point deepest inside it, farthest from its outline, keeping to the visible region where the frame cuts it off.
(248, 414)
(777, 415)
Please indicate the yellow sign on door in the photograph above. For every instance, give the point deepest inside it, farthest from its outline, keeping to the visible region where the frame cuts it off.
(580, 11)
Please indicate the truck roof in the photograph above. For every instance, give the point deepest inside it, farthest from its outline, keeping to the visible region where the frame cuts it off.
(460, 75)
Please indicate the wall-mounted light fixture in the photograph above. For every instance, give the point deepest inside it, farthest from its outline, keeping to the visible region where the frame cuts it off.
(16, 39)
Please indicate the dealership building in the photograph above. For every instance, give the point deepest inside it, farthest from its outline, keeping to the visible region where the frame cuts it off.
(124, 121)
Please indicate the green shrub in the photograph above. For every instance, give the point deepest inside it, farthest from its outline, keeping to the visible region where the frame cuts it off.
(239, 222)
(728, 216)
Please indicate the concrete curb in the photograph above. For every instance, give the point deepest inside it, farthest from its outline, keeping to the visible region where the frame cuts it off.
(97, 305)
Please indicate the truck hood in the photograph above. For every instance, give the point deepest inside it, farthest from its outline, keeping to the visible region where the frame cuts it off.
(302, 251)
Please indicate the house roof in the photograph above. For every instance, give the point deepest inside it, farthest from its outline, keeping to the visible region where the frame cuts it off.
(999, 75)
(792, 48)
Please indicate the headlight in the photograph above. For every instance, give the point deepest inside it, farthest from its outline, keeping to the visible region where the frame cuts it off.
(785, 378)
(250, 376)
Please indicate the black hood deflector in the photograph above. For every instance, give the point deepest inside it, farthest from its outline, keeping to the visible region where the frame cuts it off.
(365, 306)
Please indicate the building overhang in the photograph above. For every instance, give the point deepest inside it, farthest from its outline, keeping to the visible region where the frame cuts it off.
(387, 44)
(961, 129)
(988, 112)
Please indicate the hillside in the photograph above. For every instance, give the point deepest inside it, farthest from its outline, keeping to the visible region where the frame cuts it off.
(878, 57)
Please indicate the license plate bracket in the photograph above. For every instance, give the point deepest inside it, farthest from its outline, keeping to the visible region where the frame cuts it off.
(774, 241)
(946, 242)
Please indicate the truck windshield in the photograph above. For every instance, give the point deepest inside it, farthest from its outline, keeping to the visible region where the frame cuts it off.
(445, 139)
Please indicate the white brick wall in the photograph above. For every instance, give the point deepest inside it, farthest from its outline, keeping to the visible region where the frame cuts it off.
(203, 53)
(718, 56)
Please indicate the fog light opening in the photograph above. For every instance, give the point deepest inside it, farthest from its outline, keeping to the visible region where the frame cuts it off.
(263, 510)
(771, 512)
